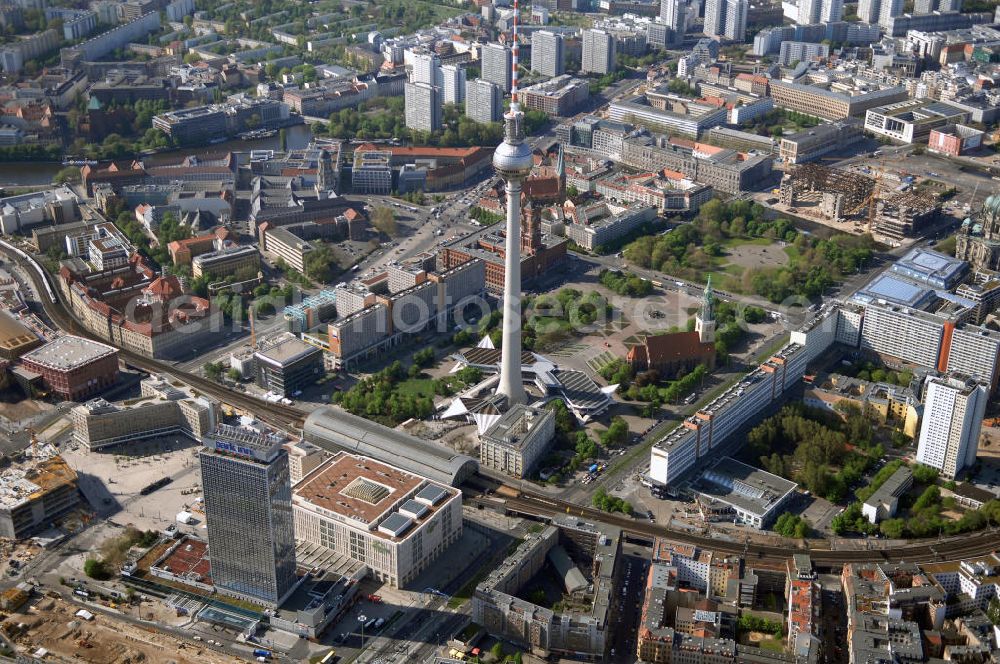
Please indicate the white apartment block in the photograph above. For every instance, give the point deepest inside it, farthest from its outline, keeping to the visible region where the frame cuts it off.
(715, 17)
(426, 68)
(453, 84)
(809, 11)
(902, 333)
(547, 53)
(598, 52)
(423, 106)
(832, 11)
(703, 434)
(483, 101)
(674, 14)
(495, 65)
(736, 20)
(953, 415)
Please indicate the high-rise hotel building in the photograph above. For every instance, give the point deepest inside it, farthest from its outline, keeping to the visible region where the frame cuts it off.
(248, 510)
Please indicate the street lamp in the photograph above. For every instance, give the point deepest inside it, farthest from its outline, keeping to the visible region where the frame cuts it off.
(362, 619)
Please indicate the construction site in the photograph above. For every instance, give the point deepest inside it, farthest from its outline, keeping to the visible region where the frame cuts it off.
(858, 203)
(53, 628)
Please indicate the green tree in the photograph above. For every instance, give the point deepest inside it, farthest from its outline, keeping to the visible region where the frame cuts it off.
(791, 525)
(424, 357)
(70, 174)
(893, 528)
(96, 569)
(993, 611)
(924, 474)
(320, 264)
(384, 219)
(616, 434)
(605, 502)
(213, 370)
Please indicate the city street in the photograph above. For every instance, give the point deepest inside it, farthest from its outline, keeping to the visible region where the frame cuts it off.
(634, 568)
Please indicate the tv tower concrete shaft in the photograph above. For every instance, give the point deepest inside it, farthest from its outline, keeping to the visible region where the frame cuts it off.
(513, 161)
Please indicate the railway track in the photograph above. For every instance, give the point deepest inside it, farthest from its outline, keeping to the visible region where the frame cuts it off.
(530, 503)
(271, 413)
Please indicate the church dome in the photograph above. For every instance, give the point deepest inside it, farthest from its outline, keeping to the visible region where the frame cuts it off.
(992, 205)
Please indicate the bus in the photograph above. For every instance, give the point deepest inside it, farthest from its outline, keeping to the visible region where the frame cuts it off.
(330, 658)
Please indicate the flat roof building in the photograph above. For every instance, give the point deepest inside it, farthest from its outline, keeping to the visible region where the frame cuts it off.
(395, 522)
(73, 367)
(954, 139)
(823, 101)
(582, 631)
(890, 288)
(931, 267)
(700, 436)
(372, 172)
(661, 111)
(164, 408)
(515, 442)
(285, 245)
(882, 504)
(35, 493)
(954, 406)
(911, 121)
(754, 496)
(811, 144)
(226, 262)
(15, 338)
(287, 364)
(560, 96)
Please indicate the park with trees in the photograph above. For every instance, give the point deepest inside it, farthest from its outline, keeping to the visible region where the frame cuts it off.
(692, 251)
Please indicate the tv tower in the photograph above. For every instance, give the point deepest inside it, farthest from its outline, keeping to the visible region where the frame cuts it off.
(512, 161)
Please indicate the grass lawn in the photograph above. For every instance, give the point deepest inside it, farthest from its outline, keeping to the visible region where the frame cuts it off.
(443, 11)
(422, 387)
(773, 644)
(733, 242)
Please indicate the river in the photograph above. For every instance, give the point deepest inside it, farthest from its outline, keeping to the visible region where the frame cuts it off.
(26, 173)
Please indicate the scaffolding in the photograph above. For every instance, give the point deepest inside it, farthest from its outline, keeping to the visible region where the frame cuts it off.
(831, 193)
(312, 311)
(904, 214)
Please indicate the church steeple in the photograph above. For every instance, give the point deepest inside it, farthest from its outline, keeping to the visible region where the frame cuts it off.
(561, 172)
(708, 301)
(325, 174)
(704, 320)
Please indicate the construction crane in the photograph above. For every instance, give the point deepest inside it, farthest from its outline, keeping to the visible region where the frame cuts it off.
(253, 332)
(871, 200)
(34, 443)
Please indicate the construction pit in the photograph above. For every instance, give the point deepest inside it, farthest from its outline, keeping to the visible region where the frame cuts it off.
(52, 624)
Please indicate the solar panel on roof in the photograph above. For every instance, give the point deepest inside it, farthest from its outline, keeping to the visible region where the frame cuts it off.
(395, 524)
(413, 509)
(431, 494)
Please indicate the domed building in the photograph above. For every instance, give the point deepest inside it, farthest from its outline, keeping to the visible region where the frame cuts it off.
(978, 242)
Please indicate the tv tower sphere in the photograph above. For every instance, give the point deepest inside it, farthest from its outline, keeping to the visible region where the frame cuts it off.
(512, 159)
